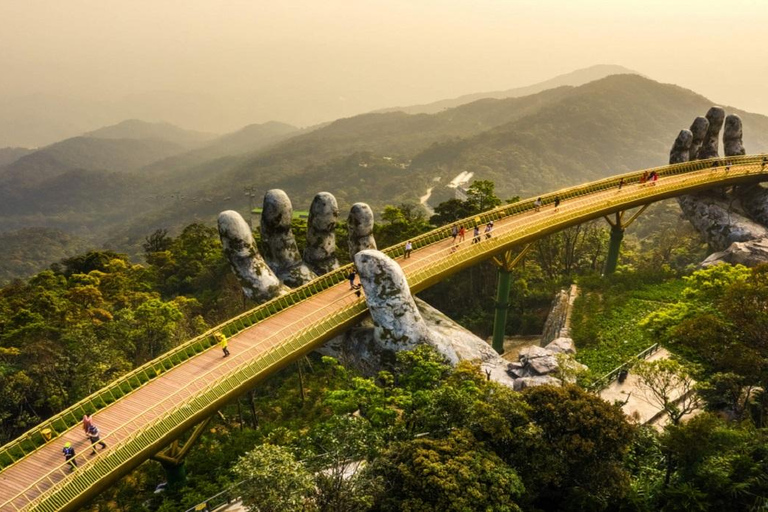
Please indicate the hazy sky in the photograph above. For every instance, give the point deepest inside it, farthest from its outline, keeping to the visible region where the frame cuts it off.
(219, 64)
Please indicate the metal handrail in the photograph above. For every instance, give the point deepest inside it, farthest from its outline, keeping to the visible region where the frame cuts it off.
(421, 273)
(609, 377)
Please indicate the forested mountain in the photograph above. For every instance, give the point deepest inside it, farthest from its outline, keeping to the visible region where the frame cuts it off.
(574, 78)
(27, 251)
(526, 145)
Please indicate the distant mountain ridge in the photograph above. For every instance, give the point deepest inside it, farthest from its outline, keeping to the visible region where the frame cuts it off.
(527, 145)
(137, 129)
(574, 78)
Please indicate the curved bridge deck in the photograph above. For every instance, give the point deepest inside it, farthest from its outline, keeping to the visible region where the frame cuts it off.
(143, 421)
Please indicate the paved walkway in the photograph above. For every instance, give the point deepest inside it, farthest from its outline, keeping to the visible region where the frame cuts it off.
(638, 401)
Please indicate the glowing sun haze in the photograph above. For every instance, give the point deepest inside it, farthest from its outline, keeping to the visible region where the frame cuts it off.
(217, 65)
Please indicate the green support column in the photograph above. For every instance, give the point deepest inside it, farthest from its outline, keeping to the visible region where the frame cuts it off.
(617, 235)
(175, 474)
(614, 248)
(502, 305)
(505, 263)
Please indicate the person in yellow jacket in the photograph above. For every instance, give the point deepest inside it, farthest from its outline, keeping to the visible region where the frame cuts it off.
(222, 342)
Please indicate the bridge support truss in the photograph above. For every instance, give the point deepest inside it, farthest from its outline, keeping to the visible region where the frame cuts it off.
(172, 458)
(506, 263)
(618, 225)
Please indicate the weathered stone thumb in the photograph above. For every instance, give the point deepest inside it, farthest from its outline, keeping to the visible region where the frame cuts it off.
(282, 253)
(259, 283)
(397, 322)
(320, 253)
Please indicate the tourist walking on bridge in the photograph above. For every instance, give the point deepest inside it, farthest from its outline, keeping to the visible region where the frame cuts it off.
(408, 249)
(476, 235)
(69, 455)
(222, 342)
(462, 233)
(557, 203)
(537, 204)
(351, 277)
(94, 436)
(454, 232)
(488, 230)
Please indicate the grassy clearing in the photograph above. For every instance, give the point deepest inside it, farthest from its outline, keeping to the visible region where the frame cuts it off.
(607, 314)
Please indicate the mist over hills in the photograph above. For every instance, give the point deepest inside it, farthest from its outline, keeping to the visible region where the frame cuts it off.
(137, 129)
(527, 145)
(574, 78)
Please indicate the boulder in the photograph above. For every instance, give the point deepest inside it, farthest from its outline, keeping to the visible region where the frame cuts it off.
(562, 346)
(259, 283)
(320, 253)
(750, 254)
(538, 360)
(360, 229)
(541, 380)
(283, 255)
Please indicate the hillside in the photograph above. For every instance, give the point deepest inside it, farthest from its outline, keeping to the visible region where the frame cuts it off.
(251, 138)
(614, 125)
(28, 251)
(550, 140)
(137, 129)
(574, 78)
(87, 153)
(10, 155)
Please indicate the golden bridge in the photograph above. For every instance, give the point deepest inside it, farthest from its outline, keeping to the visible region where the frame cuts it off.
(145, 412)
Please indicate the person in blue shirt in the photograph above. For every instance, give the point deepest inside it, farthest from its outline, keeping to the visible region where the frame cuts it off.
(69, 455)
(94, 436)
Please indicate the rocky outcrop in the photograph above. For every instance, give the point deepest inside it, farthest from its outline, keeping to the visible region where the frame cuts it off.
(539, 366)
(558, 323)
(320, 253)
(562, 346)
(750, 254)
(258, 281)
(360, 226)
(282, 255)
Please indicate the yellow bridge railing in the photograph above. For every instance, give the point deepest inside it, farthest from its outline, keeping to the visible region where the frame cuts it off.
(190, 404)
